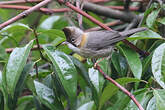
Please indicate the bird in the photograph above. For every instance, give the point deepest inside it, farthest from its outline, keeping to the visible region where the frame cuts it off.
(95, 44)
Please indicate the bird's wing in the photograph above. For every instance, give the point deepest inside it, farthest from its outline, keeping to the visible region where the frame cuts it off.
(102, 39)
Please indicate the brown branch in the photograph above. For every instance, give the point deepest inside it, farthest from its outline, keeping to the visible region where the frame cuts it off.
(19, 1)
(44, 10)
(120, 87)
(35, 47)
(113, 23)
(24, 14)
(108, 12)
(122, 8)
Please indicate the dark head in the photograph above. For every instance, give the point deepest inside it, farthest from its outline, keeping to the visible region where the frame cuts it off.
(73, 35)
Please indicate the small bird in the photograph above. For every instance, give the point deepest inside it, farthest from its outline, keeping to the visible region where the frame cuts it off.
(95, 44)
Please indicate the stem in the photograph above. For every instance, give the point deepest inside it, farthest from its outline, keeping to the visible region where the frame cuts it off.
(24, 14)
(120, 87)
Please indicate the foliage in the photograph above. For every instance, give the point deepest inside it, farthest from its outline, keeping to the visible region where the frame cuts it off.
(66, 81)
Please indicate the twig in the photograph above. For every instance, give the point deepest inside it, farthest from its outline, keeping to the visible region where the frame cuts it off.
(38, 45)
(148, 6)
(110, 24)
(108, 12)
(36, 68)
(24, 14)
(120, 87)
(126, 5)
(122, 8)
(9, 50)
(43, 10)
(19, 1)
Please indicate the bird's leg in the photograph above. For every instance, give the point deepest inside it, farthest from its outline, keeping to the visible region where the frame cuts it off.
(95, 65)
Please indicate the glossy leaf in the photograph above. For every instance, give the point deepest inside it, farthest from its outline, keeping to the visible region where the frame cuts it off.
(66, 72)
(3, 54)
(160, 99)
(148, 34)
(13, 34)
(85, 75)
(86, 106)
(111, 89)
(0, 80)
(45, 94)
(162, 21)
(48, 23)
(152, 18)
(151, 104)
(15, 65)
(133, 61)
(158, 64)
(119, 63)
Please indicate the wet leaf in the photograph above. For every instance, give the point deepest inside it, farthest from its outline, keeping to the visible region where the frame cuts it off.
(66, 72)
(160, 99)
(133, 61)
(158, 64)
(86, 106)
(15, 65)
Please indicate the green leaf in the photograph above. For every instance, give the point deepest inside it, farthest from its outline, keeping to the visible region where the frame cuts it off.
(158, 64)
(149, 34)
(14, 34)
(85, 75)
(96, 78)
(15, 65)
(160, 99)
(48, 23)
(52, 35)
(119, 63)
(86, 106)
(111, 89)
(66, 72)
(45, 94)
(151, 104)
(133, 61)
(3, 54)
(0, 80)
(162, 20)
(152, 18)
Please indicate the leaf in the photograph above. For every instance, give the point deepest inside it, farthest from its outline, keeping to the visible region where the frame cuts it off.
(3, 54)
(119, 63)
(111, 89)
(45, 94)
(66, 72)
(85, 75)
(52, 35)
(151, 104)
(96, 79)
(152, 18)
(133, 61)
(48, 23)
(0, 80)
(160, 99)
(148, 34)
(14, 34)
(15, 65)
(86, 106)
(158, 64)
(162, 20)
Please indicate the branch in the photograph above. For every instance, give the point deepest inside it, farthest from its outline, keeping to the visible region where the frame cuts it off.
(113, 23)
(120, 87)
(108, 12)
(35, 47)
(19, 1)
(44, 10)
(24, 14)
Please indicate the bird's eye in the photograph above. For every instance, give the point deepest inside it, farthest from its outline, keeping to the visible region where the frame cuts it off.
(72, 39)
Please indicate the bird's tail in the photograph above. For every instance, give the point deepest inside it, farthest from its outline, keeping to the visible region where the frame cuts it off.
(132, 31)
